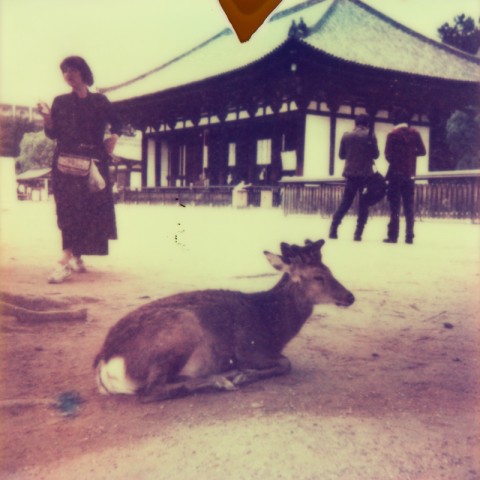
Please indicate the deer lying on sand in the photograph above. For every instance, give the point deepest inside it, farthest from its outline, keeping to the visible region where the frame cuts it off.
(216, 339)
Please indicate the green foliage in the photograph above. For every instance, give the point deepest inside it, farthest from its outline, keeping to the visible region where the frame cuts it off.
(36, 151)
(464, 34)
(463, 137)
(11, 133)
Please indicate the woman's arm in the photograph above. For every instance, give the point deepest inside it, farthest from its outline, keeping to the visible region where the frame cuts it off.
(115, 127)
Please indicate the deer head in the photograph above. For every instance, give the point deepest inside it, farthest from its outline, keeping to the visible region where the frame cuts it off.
(304, 266)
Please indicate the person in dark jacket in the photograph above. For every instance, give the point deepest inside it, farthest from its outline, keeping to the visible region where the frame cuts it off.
(78, 121)
(359, 149)
(404, 144)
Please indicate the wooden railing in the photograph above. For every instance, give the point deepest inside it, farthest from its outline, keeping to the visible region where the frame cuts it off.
(437, 195)
(213, 196)
(252, 196)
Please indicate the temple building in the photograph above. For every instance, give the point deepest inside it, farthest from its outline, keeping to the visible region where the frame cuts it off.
(277, 105)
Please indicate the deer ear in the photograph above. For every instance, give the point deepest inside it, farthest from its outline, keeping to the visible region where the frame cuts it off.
(285, 249)
(277, 262)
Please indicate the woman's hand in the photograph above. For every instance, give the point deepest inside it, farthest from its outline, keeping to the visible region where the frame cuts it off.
(44, 110)
(110, 143)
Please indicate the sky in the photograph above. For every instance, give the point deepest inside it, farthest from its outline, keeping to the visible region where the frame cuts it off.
(121, 39)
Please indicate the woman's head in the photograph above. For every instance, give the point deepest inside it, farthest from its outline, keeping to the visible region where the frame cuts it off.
(80, 65)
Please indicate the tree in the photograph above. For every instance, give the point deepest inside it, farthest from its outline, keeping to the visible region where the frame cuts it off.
(12, 130)
(464, 34)
(36, 151)
(463, 138)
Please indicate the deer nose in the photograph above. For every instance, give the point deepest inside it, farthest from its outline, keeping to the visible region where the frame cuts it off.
(350, 298)
(346, 301)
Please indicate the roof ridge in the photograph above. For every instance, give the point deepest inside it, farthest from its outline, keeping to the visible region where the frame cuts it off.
(414, 33)
(225, 31)
(296, 8)
(326, 15)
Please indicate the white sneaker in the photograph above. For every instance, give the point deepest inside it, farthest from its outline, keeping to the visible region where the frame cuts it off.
(76, 263)
(60, 274)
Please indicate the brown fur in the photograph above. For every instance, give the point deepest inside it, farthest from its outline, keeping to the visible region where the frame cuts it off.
(222, 338)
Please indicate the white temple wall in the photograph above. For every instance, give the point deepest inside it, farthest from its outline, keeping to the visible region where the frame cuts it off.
(381, 132)
(163, 163)
(150, 162)
(317, 146)
(424, 162)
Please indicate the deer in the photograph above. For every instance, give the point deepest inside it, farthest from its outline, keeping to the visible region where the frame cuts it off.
(216, 339)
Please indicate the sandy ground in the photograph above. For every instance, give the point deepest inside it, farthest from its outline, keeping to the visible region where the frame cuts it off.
(386, 389)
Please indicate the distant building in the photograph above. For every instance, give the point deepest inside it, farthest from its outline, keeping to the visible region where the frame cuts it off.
(128, 172)
(277, 105)
(21, 112)
(34, 184)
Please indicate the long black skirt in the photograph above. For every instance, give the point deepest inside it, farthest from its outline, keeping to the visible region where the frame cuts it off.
(86, 220)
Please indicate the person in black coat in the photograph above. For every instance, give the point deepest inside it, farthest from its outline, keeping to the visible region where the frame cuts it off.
(78, 121)
(359, 149)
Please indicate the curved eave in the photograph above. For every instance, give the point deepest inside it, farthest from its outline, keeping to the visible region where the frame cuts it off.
(389, 71)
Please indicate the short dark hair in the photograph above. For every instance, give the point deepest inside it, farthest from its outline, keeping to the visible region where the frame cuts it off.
(362, 120)
(78, 63)
(399, 115)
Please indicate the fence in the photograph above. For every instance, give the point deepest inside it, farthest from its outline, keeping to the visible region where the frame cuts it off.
(255, 196)
(437, 195)
(218, 196)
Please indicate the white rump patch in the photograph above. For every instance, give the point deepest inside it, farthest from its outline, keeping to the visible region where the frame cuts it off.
(112, 377)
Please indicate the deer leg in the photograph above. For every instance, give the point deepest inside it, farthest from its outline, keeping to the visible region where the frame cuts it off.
(189, 386)
(266, 369)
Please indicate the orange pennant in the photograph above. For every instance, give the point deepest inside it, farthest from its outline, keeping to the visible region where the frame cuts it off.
(246, 16)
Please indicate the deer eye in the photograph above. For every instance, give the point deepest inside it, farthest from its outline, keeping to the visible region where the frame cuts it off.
(318, 278)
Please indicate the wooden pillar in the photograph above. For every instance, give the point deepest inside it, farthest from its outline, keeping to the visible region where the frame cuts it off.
(300, 140)
(157, 162)
(218, 167)
(247, 153)
(372, 110)
(276, 168)
(333, 106)
(194, 164)
(144, 159)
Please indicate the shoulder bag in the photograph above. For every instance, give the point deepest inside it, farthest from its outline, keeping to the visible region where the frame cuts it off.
(76, 165)
(80, 166)
(376, 185)
(375, 189)
(96, 182)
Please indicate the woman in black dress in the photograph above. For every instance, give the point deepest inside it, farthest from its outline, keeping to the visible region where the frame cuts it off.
(78, 121)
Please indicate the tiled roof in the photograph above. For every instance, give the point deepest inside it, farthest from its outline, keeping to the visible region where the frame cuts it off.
(355, 32)
(218, 55)
(346, 29)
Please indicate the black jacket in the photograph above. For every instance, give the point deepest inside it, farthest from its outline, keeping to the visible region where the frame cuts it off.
(359, 150)
(77, 121)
